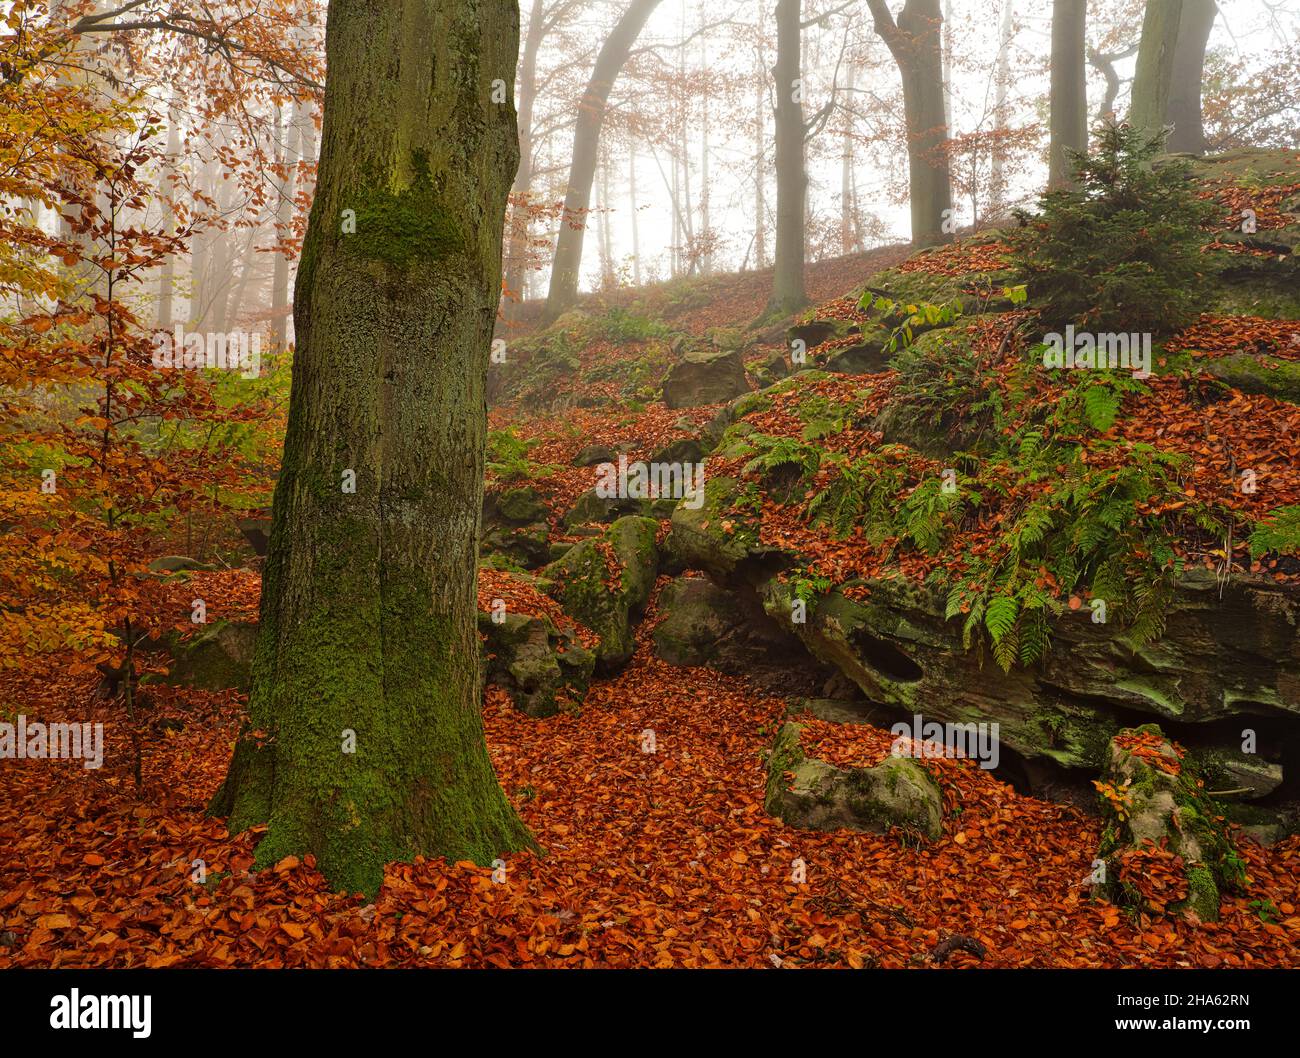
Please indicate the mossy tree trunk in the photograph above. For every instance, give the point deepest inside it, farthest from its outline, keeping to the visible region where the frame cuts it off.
(364, 742)
(1069, 97)
(916, 43)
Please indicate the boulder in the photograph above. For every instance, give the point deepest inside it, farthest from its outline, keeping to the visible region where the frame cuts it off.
(1153, 805)
(541, 668)
(898, 792)
(594, 455)
(581, 581)
(218, 658)
(713, 537)
(705, 377)
(704, 624)
(592, 507)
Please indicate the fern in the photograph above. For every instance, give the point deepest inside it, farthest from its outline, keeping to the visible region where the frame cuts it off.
(1279, 531)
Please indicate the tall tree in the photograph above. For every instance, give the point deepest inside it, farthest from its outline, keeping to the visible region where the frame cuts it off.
(364, 742)
(1153, 76)
(1184, 109)
(613, 55)
(915, 41)
(788, 293)
(1069, 96)
(517, 246)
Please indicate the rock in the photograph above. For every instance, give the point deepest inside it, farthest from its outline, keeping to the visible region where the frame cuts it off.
(180, 564)
(521, 506)
(594, 455)
(591, 507)
(730, 339)
(704, 377)
(218, 658)
(257, 531)
(1268, 375)
(525, 547)
(712, 537)
(704, 624)
(686, 450)
(578, 580)
(540, 668)
(1151, 802)
(898, 792)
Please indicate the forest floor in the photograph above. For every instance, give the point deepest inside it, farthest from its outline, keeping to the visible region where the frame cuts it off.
(663, 859)
(660, 860)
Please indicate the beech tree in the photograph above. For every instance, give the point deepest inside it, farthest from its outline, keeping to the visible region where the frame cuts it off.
(915, 41)
(1184, 108)
(788, 292)
(613, 55)
(1069, 97)
(1153, 76)
(364, 740)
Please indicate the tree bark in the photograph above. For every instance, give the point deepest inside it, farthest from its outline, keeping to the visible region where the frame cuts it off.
(915, 43)
(788, 291)
(613, 54)
(166, 190)
(1184, 110)
(368, 618)
(1153, 75)
(1069, 94)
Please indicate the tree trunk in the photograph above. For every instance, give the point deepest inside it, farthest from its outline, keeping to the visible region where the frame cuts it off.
(364, 743)
(166, 189)
(915, 43)
(1069, 92)
(591, 116)
(632, 208)
(1184, 110)
(284, 216)
(997, 175)
(517, 248)
(788, 292)
(760, 172)
(1154, 73)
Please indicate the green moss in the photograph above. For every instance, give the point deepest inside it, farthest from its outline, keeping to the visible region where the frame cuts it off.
(406, 226)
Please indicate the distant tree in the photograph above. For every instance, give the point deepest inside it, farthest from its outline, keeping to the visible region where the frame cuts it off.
(1069, 98)
(915, 41)
(1153, 76)
(1184, 108)
(586, 139)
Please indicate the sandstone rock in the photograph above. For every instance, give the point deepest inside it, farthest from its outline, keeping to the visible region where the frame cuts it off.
(898, 792)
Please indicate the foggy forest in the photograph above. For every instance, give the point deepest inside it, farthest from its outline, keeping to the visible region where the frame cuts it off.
(649, 484)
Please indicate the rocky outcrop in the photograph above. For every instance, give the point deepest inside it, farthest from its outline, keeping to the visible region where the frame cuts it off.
(515, 528)
(1158, 817)
(541, 668)
(896, 793)
(1222, 656)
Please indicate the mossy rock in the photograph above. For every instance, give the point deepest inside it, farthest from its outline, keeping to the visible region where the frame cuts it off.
(896, 793)
(1269, 375)
(594, 455)
(591, 507)
(578, 580)
(540, 668)
(712, 537)
(522, 547)
(218, 658)
(521, 506)
(1164, 806)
